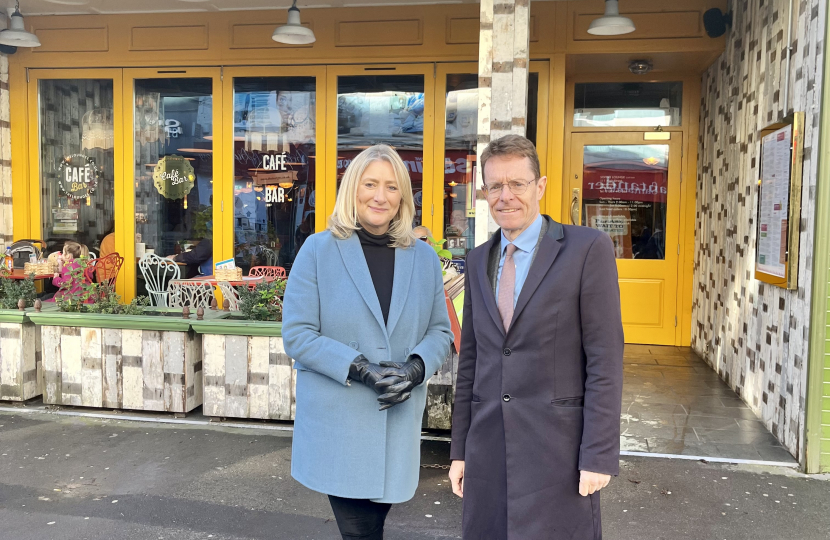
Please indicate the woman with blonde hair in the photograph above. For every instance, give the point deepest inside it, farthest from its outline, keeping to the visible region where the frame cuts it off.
(365, 320)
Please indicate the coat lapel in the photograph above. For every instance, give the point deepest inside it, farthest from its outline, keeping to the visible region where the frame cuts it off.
(549, 247)
(355, 262)
(404, 264)
(485, 283)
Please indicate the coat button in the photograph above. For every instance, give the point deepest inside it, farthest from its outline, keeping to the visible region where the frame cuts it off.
(507, 351)
(506, 397)
(353, 345)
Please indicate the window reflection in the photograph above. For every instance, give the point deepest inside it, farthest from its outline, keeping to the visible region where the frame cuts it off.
(625, 191)
(386, 109)
(76, 148)
(627, 104)
(274, 169)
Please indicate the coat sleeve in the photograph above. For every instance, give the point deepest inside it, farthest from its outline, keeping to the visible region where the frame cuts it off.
(465, 377)
(301, 321)
(435, 346)
(603, 342)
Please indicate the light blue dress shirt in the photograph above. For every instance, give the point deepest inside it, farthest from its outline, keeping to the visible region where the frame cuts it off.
(523, 256)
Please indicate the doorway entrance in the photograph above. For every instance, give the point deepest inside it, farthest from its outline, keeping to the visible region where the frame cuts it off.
(628, 185)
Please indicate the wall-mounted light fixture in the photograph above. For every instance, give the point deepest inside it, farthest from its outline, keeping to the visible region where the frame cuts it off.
(612, 23)
(293, 32)
(16, 35)
(640, 67)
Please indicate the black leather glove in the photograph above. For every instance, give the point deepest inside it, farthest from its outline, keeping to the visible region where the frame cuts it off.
(400, 381)
(368, 373)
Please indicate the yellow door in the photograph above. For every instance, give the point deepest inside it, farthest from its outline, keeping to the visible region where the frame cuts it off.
(173, 120)
(629, 187)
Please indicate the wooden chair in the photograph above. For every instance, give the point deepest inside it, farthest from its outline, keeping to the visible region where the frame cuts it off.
(273, 272)
(157, 271)
(105, 269)
(192, 293)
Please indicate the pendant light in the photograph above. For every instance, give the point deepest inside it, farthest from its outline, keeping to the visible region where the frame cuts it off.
(16, 35)
(612, 23)
(293, 32)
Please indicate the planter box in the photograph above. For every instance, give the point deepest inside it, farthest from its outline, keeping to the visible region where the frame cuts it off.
(21, 376)
(141, 362)
(246, 371)
(440, 395)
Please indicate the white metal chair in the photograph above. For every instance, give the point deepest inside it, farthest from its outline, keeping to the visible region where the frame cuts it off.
(271, 256)
(192, 293)
(157, 272)
(230, 294)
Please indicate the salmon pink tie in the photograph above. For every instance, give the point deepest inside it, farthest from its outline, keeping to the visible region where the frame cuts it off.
(507, 284)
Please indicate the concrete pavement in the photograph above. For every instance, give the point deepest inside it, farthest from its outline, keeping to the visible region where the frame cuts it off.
(80, 478)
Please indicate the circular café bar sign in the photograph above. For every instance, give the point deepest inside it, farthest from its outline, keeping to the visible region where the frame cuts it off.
(78, 176)
(174, 177)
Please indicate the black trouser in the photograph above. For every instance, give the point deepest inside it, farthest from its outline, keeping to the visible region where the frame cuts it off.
(359, 519)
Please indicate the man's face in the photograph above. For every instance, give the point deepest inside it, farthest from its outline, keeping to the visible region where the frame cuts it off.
(513, 212)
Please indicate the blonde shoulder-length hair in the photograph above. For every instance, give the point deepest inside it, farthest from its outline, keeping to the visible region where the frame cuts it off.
(344, 221)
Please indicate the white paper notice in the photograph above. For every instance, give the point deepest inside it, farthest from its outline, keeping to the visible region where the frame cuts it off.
(773, 198)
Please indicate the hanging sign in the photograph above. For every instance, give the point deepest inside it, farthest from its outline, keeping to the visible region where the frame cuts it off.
(174, 177)
(78, 176)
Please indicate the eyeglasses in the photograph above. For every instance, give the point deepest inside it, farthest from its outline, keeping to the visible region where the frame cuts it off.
(516, 186)
(424, 238)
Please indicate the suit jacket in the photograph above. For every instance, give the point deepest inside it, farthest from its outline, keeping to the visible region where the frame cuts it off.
(342, 444)
(538, 404)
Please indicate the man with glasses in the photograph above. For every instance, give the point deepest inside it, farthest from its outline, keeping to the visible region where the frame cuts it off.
(536, 423)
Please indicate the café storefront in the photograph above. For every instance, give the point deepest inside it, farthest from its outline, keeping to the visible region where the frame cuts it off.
(200, 128)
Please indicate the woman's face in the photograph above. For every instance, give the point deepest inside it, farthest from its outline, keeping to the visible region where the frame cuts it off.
(378, 197)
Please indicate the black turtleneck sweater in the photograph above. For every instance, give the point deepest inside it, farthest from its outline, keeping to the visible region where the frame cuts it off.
(381, 261)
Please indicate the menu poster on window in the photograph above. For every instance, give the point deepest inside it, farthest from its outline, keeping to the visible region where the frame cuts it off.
(174, 177)
(78, 176)
(773, 201)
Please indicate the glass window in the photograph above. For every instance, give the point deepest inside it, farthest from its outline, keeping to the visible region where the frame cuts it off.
(174, 170)
(627, 104)
(389, 109)
(76, 161)
(274, 169)
(461, 129)
(624, 193)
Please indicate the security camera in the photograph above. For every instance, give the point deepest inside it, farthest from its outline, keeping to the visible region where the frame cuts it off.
(716, 21)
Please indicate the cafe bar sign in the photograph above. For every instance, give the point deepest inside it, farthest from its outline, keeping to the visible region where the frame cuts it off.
(174, 177)
(78, 176)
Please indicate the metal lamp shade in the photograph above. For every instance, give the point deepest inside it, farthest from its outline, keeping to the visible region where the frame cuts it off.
(612, 23)
(16, 35)
(293, 32)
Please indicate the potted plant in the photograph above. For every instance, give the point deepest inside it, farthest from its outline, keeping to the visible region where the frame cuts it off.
(20, 364)
(247, 373)
(99, 352)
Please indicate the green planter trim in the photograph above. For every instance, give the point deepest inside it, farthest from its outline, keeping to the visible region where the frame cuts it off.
(236, 327)
(12, 316)
(120, 322)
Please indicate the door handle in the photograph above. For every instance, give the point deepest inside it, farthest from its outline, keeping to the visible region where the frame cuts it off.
(575, 207)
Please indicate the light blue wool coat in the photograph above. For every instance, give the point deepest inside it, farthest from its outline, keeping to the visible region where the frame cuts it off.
(342, 444)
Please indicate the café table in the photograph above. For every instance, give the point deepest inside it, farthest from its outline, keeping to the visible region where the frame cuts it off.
(18, 273)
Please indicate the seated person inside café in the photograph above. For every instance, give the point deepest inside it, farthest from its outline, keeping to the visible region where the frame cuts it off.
(199, 258)
(66, 263)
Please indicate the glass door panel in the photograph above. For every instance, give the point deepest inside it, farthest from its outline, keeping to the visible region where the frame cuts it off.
(624, 193)
(77, 162)
(274, 168)
(380, 105)
(174, 123)
(630, 189)
(459, 194)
